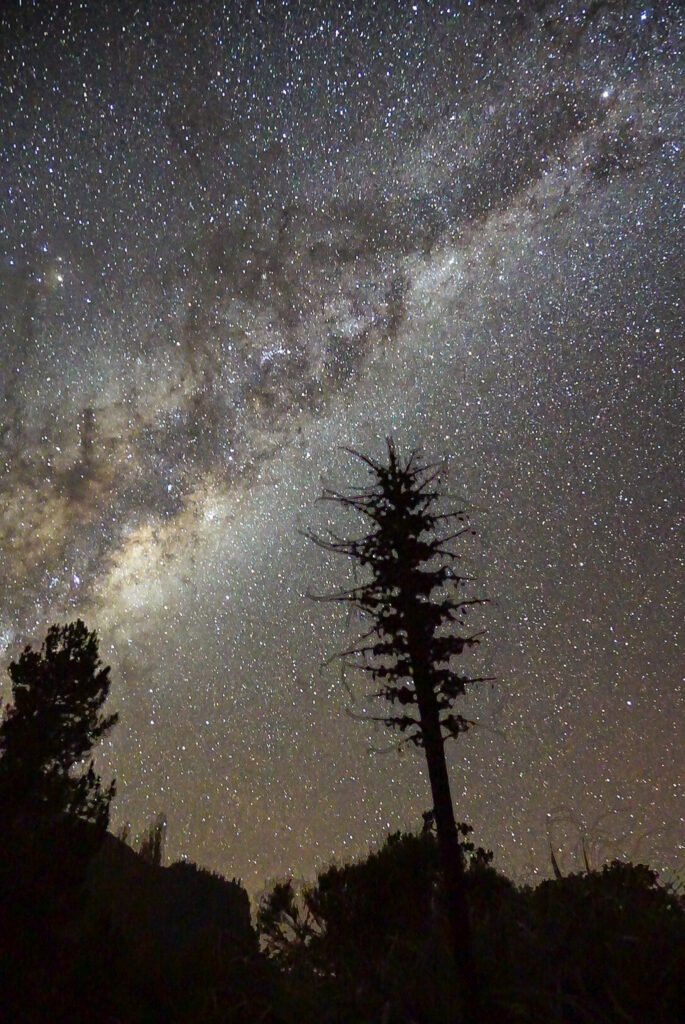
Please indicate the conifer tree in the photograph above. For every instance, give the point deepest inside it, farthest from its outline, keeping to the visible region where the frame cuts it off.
(50, 728)
(414, 599)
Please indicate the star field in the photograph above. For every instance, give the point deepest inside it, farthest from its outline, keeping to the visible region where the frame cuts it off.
(234, 237)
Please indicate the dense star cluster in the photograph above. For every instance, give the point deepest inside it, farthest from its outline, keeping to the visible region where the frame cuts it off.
(234, 237)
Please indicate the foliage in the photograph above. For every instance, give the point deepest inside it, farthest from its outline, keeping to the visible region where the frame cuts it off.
(606, 945)
(602, 947)
(285, 923)
(52, 725)
(151, 847)
(412, 595)
(370, 937)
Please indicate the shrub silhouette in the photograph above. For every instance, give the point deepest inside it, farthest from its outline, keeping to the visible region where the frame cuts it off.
(604, 946)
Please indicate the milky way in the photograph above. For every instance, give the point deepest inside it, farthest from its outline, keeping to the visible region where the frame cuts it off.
(235, 237)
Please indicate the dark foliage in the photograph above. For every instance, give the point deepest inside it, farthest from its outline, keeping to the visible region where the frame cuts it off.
(89, 930)
(152, 844)
(371, 943)
(54, 814)
(54, 721)
(412, 596)
(355, 934)
(604, 946)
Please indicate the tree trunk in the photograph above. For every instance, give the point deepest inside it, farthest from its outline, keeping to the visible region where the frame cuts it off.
(451, 858)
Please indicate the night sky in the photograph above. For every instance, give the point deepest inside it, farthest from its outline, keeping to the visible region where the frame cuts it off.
(234, 237)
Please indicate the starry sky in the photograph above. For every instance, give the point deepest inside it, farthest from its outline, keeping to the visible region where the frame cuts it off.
(234, 237)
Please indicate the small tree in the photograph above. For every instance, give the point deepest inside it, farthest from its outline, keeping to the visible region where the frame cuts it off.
(414, 599)
(151, 848)
(51, 727)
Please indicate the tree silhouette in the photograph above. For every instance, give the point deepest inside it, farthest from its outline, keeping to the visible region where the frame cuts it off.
(414, 599)
(51, 727)
(151, 847)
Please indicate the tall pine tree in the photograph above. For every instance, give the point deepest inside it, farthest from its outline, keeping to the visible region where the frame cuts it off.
(413, 597)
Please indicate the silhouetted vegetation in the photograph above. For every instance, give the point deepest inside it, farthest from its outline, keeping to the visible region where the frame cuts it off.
(414, 604)
(54, 815)
(94, 931)
(368, 942)
(51, 727)
(91, 930)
